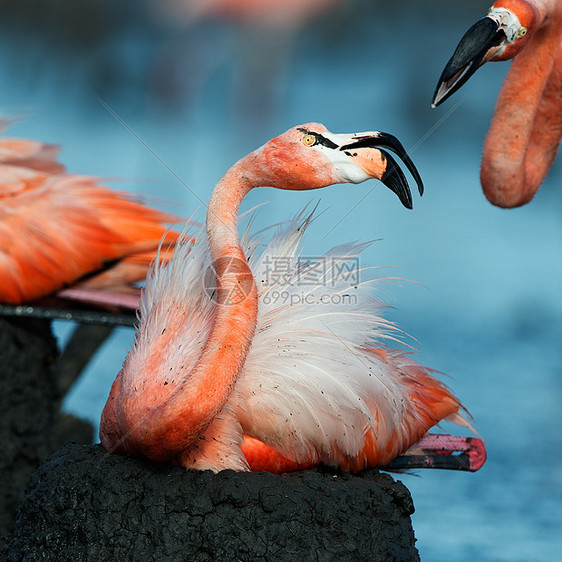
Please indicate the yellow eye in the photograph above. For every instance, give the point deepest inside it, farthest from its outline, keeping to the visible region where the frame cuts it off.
(522, 32)
(309, 140)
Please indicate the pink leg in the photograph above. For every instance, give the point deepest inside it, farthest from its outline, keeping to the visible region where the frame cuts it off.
(98, 297)
(437, 451)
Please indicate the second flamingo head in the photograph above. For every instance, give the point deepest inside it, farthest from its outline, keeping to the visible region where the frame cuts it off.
(501, 35)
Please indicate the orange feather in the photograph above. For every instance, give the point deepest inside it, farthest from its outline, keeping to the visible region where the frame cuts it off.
(58, 229)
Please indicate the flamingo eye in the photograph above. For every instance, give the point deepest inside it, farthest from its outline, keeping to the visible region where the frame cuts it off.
(522, 32)
(309, 140)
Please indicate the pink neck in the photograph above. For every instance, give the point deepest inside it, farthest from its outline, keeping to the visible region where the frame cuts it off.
(527, 125)
(179, 421)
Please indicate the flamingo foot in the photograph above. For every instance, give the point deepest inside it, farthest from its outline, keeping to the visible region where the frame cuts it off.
(443, 451)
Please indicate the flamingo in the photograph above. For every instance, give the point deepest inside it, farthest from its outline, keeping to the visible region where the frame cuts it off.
(59, 230)
(290, 13)
(526, 128)
(227, 372)
(69, 246)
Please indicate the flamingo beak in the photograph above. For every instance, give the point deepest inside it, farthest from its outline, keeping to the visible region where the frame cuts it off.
(380, 164)
(484, 40)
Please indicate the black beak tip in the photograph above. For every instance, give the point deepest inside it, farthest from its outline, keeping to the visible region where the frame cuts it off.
(395, 180)
(405, 199)
(438, 98)
(467, 58)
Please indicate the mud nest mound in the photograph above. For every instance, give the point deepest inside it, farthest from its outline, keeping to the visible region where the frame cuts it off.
(31, 424)
(85, 504)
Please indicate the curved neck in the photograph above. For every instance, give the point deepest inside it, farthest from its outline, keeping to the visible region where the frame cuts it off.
(181, 420)
(235, 319)
(525, 131)
(222, 212)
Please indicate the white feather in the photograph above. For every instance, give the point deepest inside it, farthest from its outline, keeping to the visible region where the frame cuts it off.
(307, 385)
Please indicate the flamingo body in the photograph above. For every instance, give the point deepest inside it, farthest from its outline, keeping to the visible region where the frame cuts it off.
(525, 132)
(267, 372)
(58, 229)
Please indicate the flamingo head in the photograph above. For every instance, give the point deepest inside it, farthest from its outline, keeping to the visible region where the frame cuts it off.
(310, 157)
(499, 36)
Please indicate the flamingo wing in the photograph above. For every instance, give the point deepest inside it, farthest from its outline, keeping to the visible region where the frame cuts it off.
(319, 384)
(55, 230)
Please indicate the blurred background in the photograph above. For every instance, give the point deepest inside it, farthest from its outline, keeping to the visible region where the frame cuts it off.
(163, 96)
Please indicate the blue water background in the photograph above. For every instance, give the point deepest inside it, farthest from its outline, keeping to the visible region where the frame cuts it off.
(164, 109)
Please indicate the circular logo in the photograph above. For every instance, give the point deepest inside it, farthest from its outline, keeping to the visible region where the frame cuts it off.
(236, 281)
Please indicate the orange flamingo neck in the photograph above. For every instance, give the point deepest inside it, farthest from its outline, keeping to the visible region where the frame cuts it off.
(183, 413)
(525, 131)
(214, 376)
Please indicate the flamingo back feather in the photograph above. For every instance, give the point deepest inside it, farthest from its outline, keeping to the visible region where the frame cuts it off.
(55, 230)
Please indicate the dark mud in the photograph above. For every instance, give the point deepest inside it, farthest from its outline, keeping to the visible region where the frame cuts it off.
(31, 427)
(84, 504)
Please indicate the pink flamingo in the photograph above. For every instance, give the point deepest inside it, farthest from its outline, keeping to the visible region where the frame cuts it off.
(229, 372)
(290, 13)
(58, 230)
(526, 128)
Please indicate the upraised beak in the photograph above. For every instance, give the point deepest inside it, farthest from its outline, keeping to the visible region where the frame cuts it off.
(380, 164)
(480, 43)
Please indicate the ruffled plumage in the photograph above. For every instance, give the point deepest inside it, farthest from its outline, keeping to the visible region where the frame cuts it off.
(318, 383)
